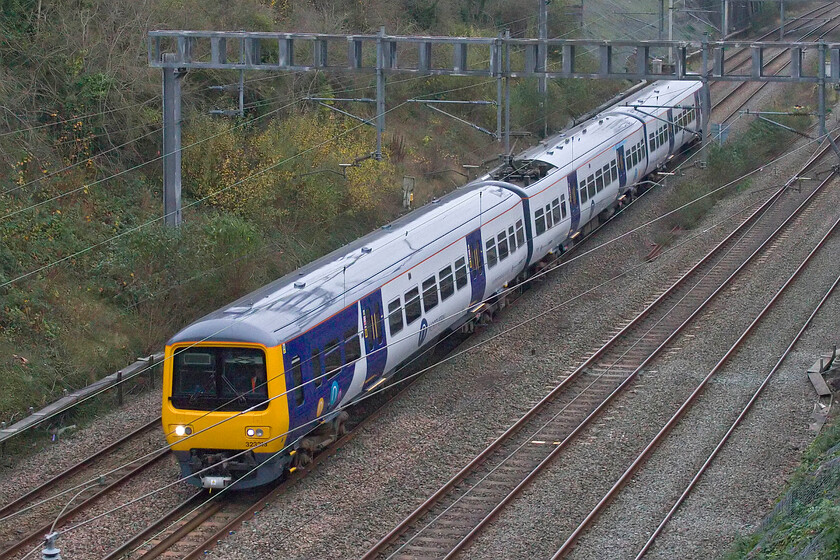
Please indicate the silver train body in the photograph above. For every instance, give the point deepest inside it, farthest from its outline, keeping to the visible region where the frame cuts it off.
(339, 327)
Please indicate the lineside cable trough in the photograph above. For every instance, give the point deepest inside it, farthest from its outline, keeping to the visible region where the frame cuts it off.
(115, 380)
(825, 377)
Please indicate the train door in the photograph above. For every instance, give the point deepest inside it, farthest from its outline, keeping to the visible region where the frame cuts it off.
(671, 131)
(478, 280)
(574, 201)
(622, 170)
(373, 330)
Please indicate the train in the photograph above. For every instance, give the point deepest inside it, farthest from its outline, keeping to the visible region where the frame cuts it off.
(251, 391)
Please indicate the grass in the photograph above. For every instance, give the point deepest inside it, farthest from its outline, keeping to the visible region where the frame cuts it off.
(806, 520)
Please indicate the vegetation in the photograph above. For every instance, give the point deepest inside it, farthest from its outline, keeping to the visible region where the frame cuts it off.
(806, 521)
(80, 175)
(729, 162)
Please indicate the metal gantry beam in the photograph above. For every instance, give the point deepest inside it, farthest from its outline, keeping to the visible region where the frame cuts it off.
(502, 58)
(426, 55)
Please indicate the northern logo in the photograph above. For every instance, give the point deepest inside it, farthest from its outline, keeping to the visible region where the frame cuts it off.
(424, 327)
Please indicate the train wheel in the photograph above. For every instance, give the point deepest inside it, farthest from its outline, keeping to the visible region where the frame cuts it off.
(302, 459)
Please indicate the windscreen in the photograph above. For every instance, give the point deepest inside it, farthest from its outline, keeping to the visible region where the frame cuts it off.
(219, 379)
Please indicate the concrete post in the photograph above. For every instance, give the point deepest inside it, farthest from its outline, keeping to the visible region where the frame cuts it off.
(499, 59)
(507, 96)
(724, 18)
(821, 74)
(670, 29)
(705, 101)
(171, 143)
(782, 20)
(241, 94)
(542, 57)
(380, 92)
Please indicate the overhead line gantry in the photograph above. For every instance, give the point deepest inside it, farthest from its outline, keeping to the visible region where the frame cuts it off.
(177, 52)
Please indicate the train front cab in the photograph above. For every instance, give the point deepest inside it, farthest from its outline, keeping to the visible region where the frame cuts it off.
(219, 416)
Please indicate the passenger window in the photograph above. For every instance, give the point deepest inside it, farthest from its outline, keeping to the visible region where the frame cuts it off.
(548, 223)
(412, 305)
(317, 369)
(460, 273)
(430, 296)
(447, 286)
(539, 220)
(583, 196)
(591, 188)
(491, 253)
(352, 348)
(511, 240)
(555, 210)
(520, 233)
(599, 181)
(332, 359)
(395, 318)
(503, 246)
(614, 170)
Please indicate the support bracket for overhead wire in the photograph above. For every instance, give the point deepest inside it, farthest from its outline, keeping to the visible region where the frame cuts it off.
(780, 125)
(429, 103)
(321, 102)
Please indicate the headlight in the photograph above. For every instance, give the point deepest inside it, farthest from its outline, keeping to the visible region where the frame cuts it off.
(182, 431)
(257, 431)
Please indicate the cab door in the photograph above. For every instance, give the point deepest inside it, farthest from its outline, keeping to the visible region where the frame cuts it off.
(478, 279)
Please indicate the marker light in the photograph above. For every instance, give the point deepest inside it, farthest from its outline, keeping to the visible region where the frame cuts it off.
(250, 432)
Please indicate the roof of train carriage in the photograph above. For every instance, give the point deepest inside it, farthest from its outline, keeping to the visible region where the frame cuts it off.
(589, 137)
(279, 311)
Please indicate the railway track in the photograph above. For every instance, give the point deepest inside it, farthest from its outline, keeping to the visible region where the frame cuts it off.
(200, 522)
(730, 365)
(775, 65)
(28, 518)
(446, 523)
(743, 56)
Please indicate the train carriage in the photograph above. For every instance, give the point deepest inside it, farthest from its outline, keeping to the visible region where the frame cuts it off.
(252, 389)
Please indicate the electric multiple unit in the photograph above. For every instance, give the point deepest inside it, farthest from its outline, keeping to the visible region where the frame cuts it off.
(251, 390)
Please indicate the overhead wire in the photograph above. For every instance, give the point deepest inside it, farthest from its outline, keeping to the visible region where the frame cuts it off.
(654, 220)
(212, 194)
(546, 271)
(405, 379)
(81, 117)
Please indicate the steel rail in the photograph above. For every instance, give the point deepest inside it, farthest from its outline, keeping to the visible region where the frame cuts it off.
(478, 460)
(766, 65)
(9, 508)
(826, 7)
(39, 534)
(542, 465)
(437, 497)
(270, 494)
(643, 456)
(173, 515)
(736, 423)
